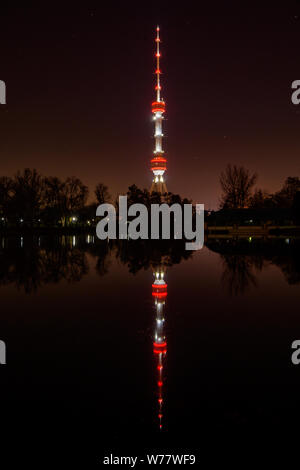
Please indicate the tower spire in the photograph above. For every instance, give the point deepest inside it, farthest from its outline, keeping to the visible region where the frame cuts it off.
(157, 65)
(158, 162)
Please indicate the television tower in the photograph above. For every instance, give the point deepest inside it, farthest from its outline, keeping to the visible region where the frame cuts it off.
(158, 162)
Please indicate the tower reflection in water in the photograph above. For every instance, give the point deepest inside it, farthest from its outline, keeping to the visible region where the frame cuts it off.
(159, 293)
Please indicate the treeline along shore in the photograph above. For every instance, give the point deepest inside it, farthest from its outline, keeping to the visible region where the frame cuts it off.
(30, 201)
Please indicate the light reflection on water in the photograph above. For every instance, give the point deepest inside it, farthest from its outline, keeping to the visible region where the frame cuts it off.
(231, 315)
(61, 257)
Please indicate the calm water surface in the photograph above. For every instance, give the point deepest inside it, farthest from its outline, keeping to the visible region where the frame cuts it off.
(99, 352)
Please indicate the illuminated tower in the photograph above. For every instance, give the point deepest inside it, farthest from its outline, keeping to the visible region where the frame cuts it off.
(158, 162)
(159, 292)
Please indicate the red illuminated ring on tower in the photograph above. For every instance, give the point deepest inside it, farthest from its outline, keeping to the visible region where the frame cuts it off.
(159, 348)
(157, 351)
(158, 107)
(159, 287)
(159, 295)
(159, 159)
(160, 345)
(158, 165)
(158, 168)
(158, 110)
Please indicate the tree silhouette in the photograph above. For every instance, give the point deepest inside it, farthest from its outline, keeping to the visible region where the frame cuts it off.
(236, 183)
(6, 194)
(102, 194)
(237, 274)
(74, 196)
(28, 195)
(30, 267)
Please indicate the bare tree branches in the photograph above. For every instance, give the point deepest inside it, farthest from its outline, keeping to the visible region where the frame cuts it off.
(236, 183)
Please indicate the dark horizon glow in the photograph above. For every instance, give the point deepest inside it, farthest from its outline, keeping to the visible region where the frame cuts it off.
(80, 83)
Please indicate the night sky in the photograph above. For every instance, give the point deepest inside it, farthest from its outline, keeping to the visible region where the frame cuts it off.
(80, 82)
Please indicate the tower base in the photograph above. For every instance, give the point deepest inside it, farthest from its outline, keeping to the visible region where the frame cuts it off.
(158, 187)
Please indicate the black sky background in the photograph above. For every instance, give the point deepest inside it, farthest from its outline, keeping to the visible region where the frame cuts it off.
(80, 82)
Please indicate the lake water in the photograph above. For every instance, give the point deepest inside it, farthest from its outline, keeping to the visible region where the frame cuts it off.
(100, 356)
